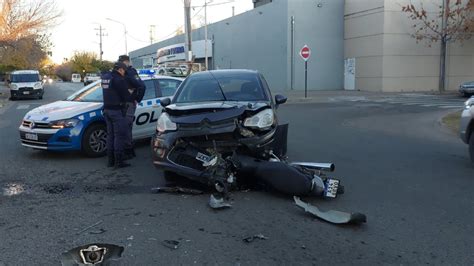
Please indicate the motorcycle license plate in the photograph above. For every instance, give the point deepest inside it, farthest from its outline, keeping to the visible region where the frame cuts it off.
(203, 157)
(31, 136)
(331, 188)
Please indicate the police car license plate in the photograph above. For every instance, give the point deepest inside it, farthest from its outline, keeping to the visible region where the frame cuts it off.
(26, 92)
(31, 136)
(331, 188)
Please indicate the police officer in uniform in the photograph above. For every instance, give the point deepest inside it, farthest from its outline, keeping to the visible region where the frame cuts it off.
(115, 93)
(136, 88)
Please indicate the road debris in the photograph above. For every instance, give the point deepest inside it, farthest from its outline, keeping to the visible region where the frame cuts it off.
(92, 254)
(89, 227)
(98, 232)
(218, 203)
(332, 216)
(177, 190)
(252, 238)
(171, 244)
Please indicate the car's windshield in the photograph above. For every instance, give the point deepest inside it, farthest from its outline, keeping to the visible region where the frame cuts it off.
(221, 87)
(25, 77)
(90, 93)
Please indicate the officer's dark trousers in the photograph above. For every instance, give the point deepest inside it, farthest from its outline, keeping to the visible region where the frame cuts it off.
(131, 107)
(116, 132)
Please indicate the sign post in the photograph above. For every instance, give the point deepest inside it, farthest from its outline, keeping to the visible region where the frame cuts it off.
(305, 53)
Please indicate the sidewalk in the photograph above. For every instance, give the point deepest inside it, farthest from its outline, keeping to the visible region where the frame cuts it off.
(320, 96)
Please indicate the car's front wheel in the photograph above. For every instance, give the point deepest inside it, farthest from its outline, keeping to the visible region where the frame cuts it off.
(94, 140)
(471, 146)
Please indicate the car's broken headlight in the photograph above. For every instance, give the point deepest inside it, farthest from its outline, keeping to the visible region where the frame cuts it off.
(165, 123)
(262, 120)
(66, 123)
(469, 103)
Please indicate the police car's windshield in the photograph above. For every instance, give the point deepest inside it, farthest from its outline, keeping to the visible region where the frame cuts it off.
(221, 87)
(25, 78)
(90, 93)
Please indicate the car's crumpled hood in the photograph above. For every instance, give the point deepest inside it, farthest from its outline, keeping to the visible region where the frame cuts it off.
(61, 110)
(194, 113)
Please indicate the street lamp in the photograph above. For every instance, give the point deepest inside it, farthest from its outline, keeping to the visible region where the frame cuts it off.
(124, 32)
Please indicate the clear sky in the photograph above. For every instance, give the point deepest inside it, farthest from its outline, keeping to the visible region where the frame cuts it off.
(75, 30)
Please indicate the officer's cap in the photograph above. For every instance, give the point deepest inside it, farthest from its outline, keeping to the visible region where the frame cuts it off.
(124, 58)
(119, 64)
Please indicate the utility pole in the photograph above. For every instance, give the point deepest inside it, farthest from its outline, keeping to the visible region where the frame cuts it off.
(152, 33)
(124, 32)
(100, 34)
(205, 33)
(187, 34)
(233, 10)
(442, 63)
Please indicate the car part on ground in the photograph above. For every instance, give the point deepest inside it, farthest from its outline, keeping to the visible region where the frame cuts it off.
(177, 190)
(218, 203)
(92, 254)
(250, 239)
(171, 244)
(332, 216)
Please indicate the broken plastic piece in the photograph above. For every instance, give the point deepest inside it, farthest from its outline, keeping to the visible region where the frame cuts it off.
(252, 238)
(172, 244)
(176, 190)
(332, 216)
(216, 203)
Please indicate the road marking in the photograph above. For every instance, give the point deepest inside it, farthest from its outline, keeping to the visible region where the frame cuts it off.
(23, 106)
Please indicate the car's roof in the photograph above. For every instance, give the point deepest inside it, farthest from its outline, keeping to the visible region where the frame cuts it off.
(228, 71)
(24, 72)
(148, 78)
(161, 77)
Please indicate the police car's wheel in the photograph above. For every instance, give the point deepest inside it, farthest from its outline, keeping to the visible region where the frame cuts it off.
(94, 141)
(471, 146)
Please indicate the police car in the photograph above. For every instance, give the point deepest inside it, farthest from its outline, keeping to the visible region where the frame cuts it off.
(77, 122)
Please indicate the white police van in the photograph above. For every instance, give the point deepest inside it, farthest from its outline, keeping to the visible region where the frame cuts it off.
(77, 122)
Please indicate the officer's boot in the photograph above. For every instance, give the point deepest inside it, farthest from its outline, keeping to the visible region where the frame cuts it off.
(120, 162)
(111, 160)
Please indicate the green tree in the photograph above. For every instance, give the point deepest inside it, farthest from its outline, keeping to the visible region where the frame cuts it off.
(83, 62)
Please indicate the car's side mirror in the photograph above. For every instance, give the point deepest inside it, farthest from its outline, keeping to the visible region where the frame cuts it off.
(280, 99)
(165, 102)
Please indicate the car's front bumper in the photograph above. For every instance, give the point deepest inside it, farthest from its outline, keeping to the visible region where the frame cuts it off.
(31, 93)
(466, 120)
(163, 146)
(66, 139)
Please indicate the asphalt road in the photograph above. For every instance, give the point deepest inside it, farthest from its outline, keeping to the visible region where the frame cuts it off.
(409, 175)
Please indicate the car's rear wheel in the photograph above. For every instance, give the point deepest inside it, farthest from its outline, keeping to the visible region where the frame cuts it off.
(471, 146)
(94, 141)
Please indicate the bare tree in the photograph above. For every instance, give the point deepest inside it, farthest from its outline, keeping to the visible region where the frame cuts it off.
(453, 22)
(22, 18)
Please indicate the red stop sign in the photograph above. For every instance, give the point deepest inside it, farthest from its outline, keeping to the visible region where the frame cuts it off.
(305, 53)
